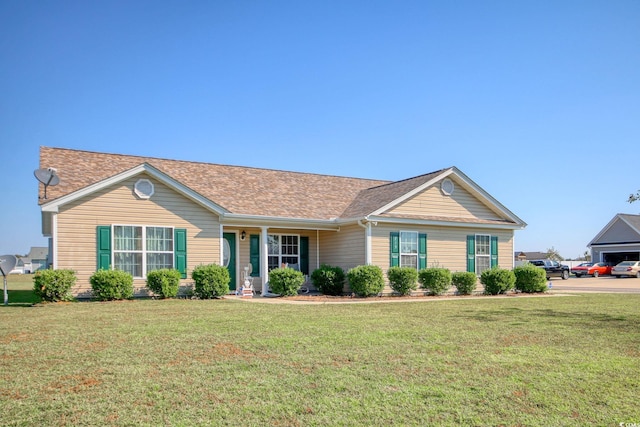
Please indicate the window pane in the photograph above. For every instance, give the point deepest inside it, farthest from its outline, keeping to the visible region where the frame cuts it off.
(274, 262)
(483, 245)
(127, 238)
(159, 239)
(274, 245)
(130, 262)
(408, 242)
(409, 261)
(482, 263)
(156, 261)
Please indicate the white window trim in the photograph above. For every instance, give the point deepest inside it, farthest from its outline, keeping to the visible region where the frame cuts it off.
(488, 256)
(417, 254)
(144, 245)
(280, 247)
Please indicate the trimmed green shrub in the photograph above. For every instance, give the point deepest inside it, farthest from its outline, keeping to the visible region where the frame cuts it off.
(366, 280)
(436, 280)
(285, 281)
(464, 281)
(530, 279)
(164, 282)
(328, 280)
(403, 280)
(110, 285)
(54, 285)
(497, 280)
(211, 281)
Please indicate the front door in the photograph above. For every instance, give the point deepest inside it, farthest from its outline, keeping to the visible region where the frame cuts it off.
(229, 257)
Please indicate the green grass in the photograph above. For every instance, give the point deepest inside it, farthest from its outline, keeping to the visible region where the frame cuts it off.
(478, 362)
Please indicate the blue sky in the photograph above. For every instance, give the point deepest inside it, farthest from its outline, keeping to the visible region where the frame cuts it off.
(537, 101)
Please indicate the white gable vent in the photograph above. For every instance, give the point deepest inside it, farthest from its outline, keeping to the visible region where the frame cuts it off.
(143, 188)
(447, 187)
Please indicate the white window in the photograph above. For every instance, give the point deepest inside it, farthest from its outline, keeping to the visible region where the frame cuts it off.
(139, 249)
(409, 249)
(483, 253)
(283, 249)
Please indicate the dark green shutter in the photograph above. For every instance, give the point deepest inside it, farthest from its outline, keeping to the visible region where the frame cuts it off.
(394, 242)
(494, 251)
(103, 246)
(422, 251)
(471, 253)
(254, 254)
(304, 254)
(180, 251)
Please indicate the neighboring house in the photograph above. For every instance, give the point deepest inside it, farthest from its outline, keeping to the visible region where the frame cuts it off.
(36, 259)
(525, 256)
(139, 213)
(618, 241)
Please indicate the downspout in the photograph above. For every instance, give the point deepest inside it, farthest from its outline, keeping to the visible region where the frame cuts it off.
(367, 241)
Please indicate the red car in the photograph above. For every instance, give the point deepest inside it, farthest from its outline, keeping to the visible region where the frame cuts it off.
(592, 269)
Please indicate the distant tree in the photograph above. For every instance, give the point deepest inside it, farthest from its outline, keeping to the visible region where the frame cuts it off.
(634, 197)
(554, 255)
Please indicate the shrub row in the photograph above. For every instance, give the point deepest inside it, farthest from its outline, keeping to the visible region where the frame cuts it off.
(212, 281)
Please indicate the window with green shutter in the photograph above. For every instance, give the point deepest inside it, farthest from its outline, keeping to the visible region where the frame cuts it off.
(408, 249)
(140, 249)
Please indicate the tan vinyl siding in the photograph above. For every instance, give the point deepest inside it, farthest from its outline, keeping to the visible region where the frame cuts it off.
(461, 204)
(446, 246)
(77, 222)
(345, 248)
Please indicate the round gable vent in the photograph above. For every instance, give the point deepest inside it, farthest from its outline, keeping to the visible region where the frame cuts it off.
(447, 187)
(143, 188)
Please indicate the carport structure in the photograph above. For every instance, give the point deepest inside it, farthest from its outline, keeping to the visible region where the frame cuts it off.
(618, 241)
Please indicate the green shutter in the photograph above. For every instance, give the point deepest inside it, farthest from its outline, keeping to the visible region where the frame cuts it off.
(180, 251)
(254, 254)
(103, 246)
(422, 251)
(471, 253)
(494, 251)
(394, 241)
(304, 254)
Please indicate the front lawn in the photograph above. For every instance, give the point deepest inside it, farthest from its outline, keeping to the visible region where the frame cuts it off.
(510, 361)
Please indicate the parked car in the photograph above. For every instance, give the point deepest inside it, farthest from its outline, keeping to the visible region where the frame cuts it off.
(626, 268)
(553, 268)
(592, 269)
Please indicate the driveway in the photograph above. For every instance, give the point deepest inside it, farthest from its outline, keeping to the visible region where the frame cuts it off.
(603, 284)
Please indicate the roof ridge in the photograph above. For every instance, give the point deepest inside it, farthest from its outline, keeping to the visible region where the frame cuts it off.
(145, 158)
(409, 179)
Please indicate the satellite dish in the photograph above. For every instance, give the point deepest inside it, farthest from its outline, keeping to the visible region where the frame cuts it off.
(7, 263)
(47, 176)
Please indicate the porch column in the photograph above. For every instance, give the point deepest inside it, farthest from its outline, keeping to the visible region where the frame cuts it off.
(264, 260)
